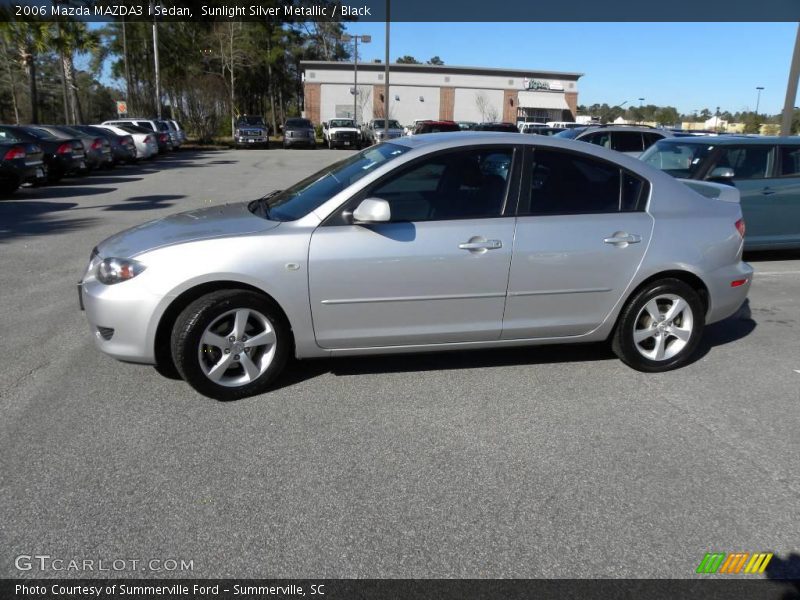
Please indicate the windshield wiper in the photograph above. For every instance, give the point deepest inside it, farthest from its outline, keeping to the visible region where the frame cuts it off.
(260, 206)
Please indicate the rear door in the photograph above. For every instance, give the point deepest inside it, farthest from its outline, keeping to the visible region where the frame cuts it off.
(581, 234)
(752, 166)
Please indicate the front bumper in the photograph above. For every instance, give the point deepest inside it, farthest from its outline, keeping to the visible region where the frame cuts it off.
(299, 141)
(120, 318)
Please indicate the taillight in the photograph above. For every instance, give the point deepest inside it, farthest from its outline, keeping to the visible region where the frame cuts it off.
(740, 227)
(148, 139)
(14, 153)
(65, 148)
(97, 144)
(163, 137)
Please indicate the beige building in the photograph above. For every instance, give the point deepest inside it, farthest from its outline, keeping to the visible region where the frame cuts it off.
(437, 92)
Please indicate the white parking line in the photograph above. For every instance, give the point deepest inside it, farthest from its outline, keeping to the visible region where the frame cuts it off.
(762, 273)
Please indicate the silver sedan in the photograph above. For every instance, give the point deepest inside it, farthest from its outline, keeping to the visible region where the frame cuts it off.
(431, 242)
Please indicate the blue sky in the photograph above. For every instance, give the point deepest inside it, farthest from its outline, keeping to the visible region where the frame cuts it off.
(687, 65)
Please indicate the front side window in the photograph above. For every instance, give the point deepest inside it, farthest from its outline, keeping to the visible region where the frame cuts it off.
(312, 192)
(564, 183)
(790, 161)
(601, 138)
(747, 162)
(467, 184)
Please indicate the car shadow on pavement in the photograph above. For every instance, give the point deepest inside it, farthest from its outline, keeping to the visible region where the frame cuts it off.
(29, 218)
(771, 255)
(786, 571)
(96, 179)
(724, 332)
(154, 201)
(54, 193)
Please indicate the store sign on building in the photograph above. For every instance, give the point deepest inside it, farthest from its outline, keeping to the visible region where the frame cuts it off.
(535, 84)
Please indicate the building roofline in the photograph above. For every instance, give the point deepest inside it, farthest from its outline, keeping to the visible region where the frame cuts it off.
(329, 65)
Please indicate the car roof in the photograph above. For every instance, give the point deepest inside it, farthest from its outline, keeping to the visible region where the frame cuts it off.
(734, 139)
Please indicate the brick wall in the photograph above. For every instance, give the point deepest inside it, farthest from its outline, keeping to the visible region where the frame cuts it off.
(510, 102)
(572, 102)
(311, 100)
(447, 102)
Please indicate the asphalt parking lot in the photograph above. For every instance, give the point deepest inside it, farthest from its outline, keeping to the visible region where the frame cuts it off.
(541, 462)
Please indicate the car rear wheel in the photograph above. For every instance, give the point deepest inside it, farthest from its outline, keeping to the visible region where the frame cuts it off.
(9, 186)
(660, 327)
(230, 344)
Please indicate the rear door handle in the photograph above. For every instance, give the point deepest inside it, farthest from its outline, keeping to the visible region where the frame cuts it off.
(620, 238)
(481, 245)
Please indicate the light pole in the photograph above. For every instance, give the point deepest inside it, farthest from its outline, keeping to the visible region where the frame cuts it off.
(386, 75)
(366, 39)
(758, 98)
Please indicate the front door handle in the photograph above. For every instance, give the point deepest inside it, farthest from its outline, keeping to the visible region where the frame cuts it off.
(767, 191)
(481, 244)
(621, 238)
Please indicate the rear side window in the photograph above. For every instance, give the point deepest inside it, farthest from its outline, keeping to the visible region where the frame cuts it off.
(790, 161)
(747, 162)
(626, 141)
(601, 138)
(145, 124)
(563, 183)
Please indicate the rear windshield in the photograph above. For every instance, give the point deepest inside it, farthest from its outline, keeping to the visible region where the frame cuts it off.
(678, 159)
(8, 135)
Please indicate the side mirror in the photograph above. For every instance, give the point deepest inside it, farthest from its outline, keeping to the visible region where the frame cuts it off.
(372, 210)
(721, 173)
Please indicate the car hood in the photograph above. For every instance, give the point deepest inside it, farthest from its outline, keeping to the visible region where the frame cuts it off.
(205, 223)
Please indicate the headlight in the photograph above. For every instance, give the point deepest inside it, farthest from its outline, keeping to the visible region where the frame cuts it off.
(115, 270)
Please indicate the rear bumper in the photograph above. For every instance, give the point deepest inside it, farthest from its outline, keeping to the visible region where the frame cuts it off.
(724, 298)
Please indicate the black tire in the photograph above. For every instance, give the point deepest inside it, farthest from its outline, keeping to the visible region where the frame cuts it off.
(193, 321)
(622, 341)
(9, 186)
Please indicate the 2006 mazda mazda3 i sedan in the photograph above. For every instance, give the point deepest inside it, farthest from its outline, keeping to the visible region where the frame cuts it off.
(432, 242)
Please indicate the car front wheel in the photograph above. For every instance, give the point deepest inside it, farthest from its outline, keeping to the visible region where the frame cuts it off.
(660, 327)
(230, 344)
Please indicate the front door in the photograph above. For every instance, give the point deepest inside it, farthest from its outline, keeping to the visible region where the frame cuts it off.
(437, 272)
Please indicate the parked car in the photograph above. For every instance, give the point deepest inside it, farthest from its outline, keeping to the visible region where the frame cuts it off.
(172, 130)
(61, 156)
(408, 246)
(160, 128)
(524, 126)
(765, 170)
(409, 129)
(373, 131)
(179, 129)
(436, 127)
(20, 162)
(251, 130)
(143, 139)
(501, 127)
(631, 140)
(97, 149)
(542, 130)
(466, 125)
(341, 133)
(299, 132)
(123, 148)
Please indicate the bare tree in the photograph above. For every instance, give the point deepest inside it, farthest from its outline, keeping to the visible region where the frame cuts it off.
(364, 97)
(492, 114)
(482, 104)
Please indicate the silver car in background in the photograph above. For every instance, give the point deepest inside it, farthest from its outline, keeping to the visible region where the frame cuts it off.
(430, 242)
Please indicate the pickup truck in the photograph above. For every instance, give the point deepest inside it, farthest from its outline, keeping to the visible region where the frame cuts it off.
(372, 132)
(251, 131)
(341, 133)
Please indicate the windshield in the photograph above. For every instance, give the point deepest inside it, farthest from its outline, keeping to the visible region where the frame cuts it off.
(342, 123)
(378, 124)
(571, 134)
(678, 159)
(313, 191)
(298, 123)
(254, 121)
